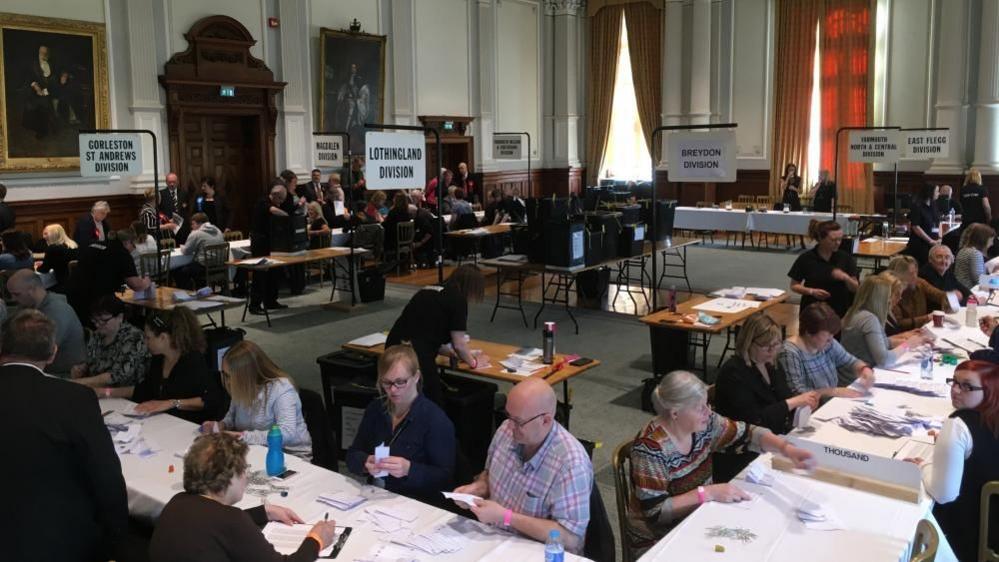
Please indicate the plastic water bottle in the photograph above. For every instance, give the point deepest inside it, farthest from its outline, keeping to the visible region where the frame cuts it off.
(926, 365)
(275, 452)
(548, 343)
(950, 218)
(554, 552)
(971, 312)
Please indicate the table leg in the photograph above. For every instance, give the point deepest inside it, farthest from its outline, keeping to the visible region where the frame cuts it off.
(544, 290)
(499, 285)
(568, 404)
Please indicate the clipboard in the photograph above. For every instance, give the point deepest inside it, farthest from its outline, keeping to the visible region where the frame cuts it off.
(338, 546)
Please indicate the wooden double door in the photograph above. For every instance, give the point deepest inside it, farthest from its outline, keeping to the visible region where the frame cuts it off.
(226, 148)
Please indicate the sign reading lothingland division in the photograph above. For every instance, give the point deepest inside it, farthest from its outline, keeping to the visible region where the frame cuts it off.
(702, 156)
(395, 160)
(874, 146)
(110, 154)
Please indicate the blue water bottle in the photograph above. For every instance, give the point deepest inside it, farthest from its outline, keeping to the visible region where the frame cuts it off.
(554, 552)
(275, 452)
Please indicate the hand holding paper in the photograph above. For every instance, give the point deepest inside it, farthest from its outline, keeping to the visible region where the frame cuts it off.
(381, 453)
(462, 498)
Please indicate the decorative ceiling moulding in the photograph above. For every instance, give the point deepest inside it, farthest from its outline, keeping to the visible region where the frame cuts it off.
(594, 6)
(564, 7)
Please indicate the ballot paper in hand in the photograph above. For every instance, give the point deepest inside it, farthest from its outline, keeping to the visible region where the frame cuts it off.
(460, 497)
(757, 473)
(381, 453)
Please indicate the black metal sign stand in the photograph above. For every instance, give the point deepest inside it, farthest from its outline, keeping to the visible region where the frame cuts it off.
(348, 201)
(530, 182)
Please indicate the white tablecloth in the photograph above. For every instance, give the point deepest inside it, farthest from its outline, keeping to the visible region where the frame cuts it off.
(150, 486)
(738, 220)
(790, 223)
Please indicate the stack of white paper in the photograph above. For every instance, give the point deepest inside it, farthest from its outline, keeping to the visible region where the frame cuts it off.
(730, 292)
(441, 540)
(341, 500)
(764, 292)
(370, 340)
(726, 305)
(521, 366)
(287, 538)
(388, 552)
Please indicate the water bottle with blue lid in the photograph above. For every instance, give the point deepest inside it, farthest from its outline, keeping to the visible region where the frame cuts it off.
(275, 451)
(554, 551)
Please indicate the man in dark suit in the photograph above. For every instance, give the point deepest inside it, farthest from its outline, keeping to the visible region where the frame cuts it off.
(93, 226)
(172, 198)
(7, 214)
(61, 463)
(264, 289)
(313, 190)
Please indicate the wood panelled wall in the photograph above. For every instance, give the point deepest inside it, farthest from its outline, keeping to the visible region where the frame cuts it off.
(33, 216)
(747, 182)
(543, 182)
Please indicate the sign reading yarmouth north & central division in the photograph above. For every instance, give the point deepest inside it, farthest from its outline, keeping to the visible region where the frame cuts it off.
(874, 146)
(395, 160)
(926, 145)
(327, 151)
(110, 154)
(507, 147)
(702, 156)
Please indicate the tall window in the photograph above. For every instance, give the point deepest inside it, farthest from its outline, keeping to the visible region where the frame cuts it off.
(815, 118)
(627, 154)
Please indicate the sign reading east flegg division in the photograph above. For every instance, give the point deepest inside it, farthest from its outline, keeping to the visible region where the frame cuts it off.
(327, 151)
(702, 156)
(395, 160)
(926, 145)
(874, 146)
(507, 147)
(110, 154)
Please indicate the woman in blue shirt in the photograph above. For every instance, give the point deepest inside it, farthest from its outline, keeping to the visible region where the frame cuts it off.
(16, 254)
(420, 437)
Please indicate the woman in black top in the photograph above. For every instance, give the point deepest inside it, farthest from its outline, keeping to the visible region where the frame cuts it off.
(200, 524)
(790, 187)
(59, 251)
(924, 223)
(975, 205)
(317, 224)
(213, 204)
(178, 380)
(825, 273)
(752, 388)
(436, 317)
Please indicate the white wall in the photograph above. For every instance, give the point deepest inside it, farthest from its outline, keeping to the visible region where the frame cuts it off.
(183, 14)
(752, 81)
(86, 10)
(442, 57)
(518, 101)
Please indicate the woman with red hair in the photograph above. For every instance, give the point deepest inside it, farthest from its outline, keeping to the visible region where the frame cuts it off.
(966, 456)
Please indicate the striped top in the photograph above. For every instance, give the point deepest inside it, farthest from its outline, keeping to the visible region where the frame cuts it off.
(277, 403)
(660, 471)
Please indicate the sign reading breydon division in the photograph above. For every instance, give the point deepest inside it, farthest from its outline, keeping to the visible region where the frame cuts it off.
(395, 160)
(702, 156)
(110, 154)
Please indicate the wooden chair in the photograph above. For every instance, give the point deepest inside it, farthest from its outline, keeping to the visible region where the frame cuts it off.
(168, 244)
(147, 266)
(844, 209)
(764, 201)
(990, 492)
(925, 543)
(321, 267)
(621, 462)
(213, 257)
(404, 244)
(233, 236)
(71, 267)
(745, 200)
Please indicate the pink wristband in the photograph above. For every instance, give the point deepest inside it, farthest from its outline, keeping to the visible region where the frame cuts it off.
(107, 392)
(701, 495)
(507, 517)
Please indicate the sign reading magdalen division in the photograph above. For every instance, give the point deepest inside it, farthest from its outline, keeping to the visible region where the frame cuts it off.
(395, 160)
(874, 146)
(702, 156)
(327, 151)
(110, 154)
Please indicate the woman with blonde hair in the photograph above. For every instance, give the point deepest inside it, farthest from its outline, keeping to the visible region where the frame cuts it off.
(317, 223)
(974, 200)
(262, 396)
(59, 251)
(420, 437)
(864, 324)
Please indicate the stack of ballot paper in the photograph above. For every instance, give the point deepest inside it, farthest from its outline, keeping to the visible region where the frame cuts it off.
(440, 540)
(390, 518)
(341, 500)
(817, 518)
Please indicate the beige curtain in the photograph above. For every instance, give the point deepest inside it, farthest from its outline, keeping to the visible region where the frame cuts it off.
(645, 38)
(594, 6)
(605, 34)
(794, 57)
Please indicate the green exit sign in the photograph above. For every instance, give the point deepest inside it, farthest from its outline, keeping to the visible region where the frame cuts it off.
(227, 91)
(449, 125)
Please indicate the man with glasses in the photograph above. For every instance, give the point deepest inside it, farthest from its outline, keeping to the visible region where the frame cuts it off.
(25, 287)
(538, 477)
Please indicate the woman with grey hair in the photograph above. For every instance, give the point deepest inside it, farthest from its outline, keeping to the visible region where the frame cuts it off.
(671, 467)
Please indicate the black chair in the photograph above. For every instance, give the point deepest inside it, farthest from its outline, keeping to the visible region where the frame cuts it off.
(598, 545)
(324, 448)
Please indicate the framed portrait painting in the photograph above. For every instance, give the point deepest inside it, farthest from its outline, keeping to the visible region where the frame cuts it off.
(53, 83)
(352, 88)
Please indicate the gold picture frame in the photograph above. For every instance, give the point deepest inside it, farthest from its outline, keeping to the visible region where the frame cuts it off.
(342, 53)
(39, 125)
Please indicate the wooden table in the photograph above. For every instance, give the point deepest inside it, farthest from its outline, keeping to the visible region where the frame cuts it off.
(671, 336)
(560, 372)
(278, 260)
(876, 251)
(477, 235)
(163, 300)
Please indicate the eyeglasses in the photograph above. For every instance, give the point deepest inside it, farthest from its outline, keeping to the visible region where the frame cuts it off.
(965, 387)
(101, 320)
(398, 383)
(768, 347)
(521, 424)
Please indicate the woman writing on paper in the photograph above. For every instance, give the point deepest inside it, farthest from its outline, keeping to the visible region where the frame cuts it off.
(671, 457)
(864, 326)
(965, 457)
(418, 434)
(201, 524)
(752, 388)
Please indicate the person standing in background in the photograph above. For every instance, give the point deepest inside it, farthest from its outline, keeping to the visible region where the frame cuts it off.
(7, 214)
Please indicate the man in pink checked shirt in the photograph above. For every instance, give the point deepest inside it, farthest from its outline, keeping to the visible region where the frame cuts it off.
(538, 477)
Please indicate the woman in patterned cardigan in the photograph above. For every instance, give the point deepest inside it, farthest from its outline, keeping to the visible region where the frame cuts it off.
(671, 457)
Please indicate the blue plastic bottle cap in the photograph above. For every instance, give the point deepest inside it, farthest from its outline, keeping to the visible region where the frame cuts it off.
(553, 534)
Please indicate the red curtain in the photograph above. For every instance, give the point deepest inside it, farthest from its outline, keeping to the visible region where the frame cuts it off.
(845, 47)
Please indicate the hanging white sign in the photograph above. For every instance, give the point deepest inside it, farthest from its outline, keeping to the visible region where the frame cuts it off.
(395, 160)
(327, 151)
(110, 154)
(874, 146)
(926, 145)
(702, 156)
(507, 147)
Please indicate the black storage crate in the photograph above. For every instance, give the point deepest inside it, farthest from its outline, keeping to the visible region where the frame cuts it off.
(610, 223)
(564, 244)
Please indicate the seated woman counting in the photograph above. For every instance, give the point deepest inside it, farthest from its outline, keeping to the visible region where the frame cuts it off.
(965, 457)
(200, 524)
(864, 326)
(825, 273)
(752, 388)
(178, 380)
(262, 396)
(117, 356)
(419, 435)
(671, 457)
(814, 360)
(970, 264)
